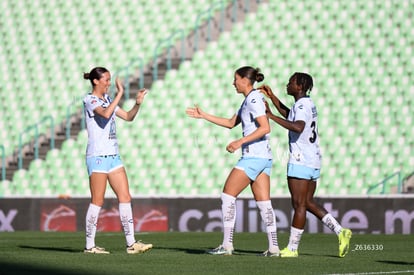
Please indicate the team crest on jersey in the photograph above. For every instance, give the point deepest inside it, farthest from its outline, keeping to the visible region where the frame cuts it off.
(253, 100)
(93, 101)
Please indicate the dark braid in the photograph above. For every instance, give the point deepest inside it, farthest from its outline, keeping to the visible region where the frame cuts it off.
(305, 80)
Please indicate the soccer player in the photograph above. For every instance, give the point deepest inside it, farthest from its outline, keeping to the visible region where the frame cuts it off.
(254, 166)
(102, 157)
(304, 163)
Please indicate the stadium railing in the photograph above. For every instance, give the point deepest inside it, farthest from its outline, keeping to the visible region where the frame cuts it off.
(208, 14)
(385, 185)
(3, 162)
(35, 128)
(168, 43)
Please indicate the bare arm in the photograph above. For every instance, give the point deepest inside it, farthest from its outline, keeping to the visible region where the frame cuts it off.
(196, 112)
(108, 111)
(281, 108)
(263, 129)
(131, 114)
(295, 126)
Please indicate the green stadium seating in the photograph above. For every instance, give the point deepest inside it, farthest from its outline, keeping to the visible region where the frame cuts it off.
(359, 54)
(48, 44)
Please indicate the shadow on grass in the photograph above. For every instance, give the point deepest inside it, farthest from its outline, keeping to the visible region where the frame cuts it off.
(396, 262)
(23, 269)
(185, 250)
(205, 250)
(48, 248)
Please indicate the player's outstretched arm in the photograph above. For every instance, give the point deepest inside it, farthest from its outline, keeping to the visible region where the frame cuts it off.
(197, 112)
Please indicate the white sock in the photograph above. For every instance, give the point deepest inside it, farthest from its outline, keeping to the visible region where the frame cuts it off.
(91, 223)
(268, 217)
(127, 222)
(332, 223)
(294, 238)
(228, 210)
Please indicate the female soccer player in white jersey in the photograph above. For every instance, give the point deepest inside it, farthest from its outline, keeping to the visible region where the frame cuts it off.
(254, 166)
(103, 160)
(304, 161)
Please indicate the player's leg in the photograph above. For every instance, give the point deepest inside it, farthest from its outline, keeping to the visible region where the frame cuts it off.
(118, 181)
(97, 183)
(119, 184)
(261, 191)
(344, 234)
(319, 211)
(298, 190)
(236, 182)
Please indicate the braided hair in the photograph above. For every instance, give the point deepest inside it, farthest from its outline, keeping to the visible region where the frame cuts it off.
(305, 80)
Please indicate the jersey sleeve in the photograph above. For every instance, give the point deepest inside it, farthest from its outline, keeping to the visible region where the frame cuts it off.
(256, 106)
(301, 112)
(90, 103)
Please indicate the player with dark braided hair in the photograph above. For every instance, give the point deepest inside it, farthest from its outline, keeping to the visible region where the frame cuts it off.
(304, 163)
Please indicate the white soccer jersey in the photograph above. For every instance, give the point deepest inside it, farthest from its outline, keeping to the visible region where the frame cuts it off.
(101, 131)
(304, 147)
(252, 107)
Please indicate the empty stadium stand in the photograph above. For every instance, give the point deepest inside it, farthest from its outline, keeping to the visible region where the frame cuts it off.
(359, 53)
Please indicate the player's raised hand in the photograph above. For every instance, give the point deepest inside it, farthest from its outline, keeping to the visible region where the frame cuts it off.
(140, 96)
(119, 86)
(194, 112)
(266, 90)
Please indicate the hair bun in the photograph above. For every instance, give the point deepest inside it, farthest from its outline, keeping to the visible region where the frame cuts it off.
(85, 75)
(259, 77)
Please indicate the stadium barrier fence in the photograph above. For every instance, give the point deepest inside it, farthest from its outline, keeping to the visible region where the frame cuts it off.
(3, 162)
(35, 128)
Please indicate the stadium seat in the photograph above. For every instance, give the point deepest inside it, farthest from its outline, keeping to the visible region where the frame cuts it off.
(360, 59)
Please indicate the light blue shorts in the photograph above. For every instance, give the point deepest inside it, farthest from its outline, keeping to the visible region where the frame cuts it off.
(254, 166)
(103, 164)
(303, 172)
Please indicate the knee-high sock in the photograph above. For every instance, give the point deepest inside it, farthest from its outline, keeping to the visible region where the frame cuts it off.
(294, 238)
(127, 222)
(228, 210)
(92, 216)
(332, 223)
(268, 217)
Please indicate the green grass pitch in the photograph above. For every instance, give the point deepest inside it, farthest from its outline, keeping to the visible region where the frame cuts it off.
(184, 253)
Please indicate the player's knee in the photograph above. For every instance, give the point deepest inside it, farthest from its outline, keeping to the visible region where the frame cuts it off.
(124, 198)
(97, 201)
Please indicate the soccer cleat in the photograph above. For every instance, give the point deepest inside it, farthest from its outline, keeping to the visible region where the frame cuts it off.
(267, 253)
(221, 250)
(96, 250)
(287, 253)
(344, 239)
(138, 247)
